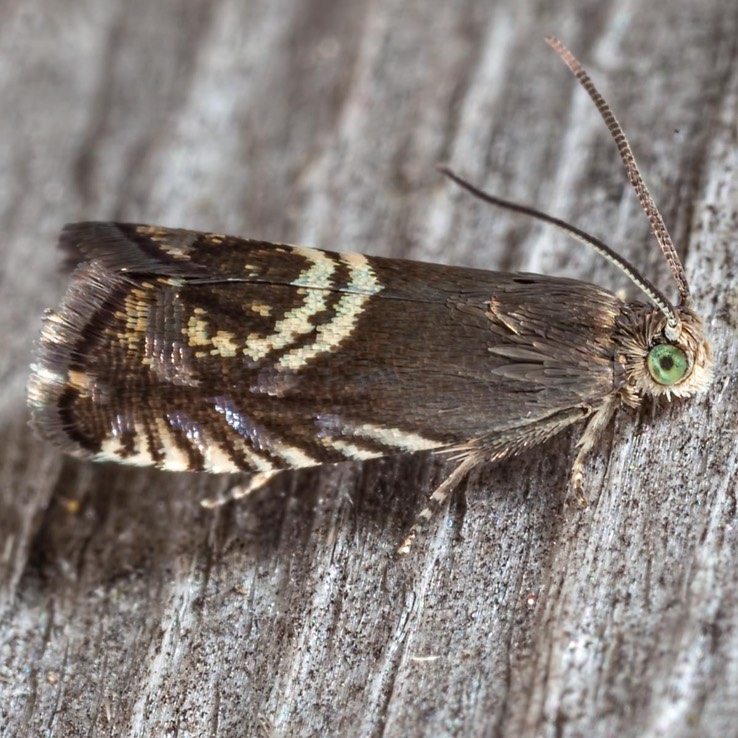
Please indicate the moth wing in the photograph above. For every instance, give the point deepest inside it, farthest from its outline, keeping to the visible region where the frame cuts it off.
(194, 351)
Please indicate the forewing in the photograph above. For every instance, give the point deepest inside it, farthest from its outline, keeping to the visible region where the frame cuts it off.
(196, 351)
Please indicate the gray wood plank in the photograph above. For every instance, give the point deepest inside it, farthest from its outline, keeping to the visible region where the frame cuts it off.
(127, 609)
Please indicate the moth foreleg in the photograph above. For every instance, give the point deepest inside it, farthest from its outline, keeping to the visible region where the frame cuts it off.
(499, 446)
(239, 491)
(598, 421)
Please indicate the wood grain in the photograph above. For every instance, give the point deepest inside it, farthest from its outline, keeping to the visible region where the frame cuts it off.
(127, 609)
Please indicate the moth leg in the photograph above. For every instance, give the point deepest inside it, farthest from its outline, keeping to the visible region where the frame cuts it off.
(239, 491)
(438, 498)
(499, 447)
(598, 421)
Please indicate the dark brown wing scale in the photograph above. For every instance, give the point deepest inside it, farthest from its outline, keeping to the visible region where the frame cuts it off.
(203, 352)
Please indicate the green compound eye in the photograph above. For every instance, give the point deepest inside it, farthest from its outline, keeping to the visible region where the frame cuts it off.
(667, 364)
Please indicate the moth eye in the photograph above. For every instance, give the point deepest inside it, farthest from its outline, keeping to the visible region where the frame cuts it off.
(667, 364)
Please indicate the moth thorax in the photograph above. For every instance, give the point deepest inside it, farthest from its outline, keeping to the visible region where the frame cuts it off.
(657, 366)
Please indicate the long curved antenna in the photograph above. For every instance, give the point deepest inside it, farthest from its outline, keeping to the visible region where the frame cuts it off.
(646, 286)
(626, 154)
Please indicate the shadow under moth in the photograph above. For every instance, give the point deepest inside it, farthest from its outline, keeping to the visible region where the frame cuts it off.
(194, 351)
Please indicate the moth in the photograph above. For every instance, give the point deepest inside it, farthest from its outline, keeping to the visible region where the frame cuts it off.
(203, 352)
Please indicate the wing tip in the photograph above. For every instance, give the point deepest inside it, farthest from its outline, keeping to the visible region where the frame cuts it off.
(131, 248)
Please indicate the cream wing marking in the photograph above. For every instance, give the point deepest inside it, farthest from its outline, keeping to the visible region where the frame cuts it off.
(348, 310)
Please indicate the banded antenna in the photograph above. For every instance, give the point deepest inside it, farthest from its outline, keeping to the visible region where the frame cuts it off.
(658, 227)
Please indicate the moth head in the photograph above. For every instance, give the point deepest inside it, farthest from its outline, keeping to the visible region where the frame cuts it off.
(666, 361)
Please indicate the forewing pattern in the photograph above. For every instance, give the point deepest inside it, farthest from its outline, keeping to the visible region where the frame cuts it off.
(203, 352)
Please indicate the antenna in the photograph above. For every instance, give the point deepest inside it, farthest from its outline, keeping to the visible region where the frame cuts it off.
(631, 167)
(646, 286)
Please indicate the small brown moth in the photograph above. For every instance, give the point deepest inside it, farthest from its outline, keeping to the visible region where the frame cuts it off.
(202, 352)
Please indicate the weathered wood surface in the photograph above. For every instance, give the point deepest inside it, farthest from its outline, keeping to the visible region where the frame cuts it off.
(127, 609)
